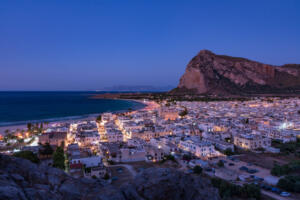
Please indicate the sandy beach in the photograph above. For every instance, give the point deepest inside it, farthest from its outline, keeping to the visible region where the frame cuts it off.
(149, 105)
(24, 126)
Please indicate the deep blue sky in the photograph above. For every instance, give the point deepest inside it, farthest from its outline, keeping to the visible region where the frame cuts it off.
(88, 45)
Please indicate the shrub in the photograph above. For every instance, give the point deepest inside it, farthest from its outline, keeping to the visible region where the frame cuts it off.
(290, 183)
(99, 118)
(220, 163)
(278, 170)
(46, 149)
(106, 176)
(183, 113)
(27, 155)
(197, 169)
(111, 162)
(228, 190)
(169, 157)
(59, 158)
(187, 157)
(228, 152)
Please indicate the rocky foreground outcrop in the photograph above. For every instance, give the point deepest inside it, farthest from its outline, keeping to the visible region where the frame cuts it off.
(208, 73)
(21, 179)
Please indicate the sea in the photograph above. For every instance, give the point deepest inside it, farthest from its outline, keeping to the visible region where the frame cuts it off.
(18, 108)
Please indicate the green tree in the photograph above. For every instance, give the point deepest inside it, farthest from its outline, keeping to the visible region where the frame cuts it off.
(169, 157)
(41, 127)
(251, 191)
(59, 158)
(291, 167)
(27, 155)
(278, 170)
(62, 144)
(290, 183)
(36, 127)
(47, 123)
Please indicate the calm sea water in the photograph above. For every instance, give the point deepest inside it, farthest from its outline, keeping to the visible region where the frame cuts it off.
(22, 107)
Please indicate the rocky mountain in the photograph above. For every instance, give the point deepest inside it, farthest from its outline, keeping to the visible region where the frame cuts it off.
(208, 73)
(22, 180)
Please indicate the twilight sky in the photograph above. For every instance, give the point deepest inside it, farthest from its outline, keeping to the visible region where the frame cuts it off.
(91, 44)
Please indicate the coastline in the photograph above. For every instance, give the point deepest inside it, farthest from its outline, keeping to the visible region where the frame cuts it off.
(12, 126)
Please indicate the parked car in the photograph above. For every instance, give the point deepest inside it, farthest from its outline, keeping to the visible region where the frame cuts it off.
(252, 171)
(276, 190)
(285, 194)
(266, 187)
(120, 170)
(256, 178)
(244, 168)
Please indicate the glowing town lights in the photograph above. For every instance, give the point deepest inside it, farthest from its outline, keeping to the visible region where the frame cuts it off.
(254, 105)
(286, 125)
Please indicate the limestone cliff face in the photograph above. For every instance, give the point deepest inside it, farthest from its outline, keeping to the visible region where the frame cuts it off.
(208, 73)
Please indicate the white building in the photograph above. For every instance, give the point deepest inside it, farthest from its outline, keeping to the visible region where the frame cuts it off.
(200, 149)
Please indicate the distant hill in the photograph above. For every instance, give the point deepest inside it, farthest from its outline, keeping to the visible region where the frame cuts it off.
(208, 73)
(138, 88)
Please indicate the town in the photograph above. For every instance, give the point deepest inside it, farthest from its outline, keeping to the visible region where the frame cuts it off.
(242, 142)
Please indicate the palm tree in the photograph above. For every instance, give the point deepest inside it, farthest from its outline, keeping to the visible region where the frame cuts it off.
(29, 126)
(6, 131)
(99, 118)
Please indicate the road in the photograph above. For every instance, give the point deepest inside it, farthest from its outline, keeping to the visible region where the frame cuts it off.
(276, 196)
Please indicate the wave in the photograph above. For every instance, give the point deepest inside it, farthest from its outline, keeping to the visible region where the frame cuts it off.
(68, 118)
(45, 120)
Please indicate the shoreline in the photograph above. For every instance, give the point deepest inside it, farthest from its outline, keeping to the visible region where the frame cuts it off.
(23, 124)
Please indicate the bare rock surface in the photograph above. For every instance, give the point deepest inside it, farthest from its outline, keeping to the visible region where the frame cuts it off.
(208, 73)
(22, 180)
